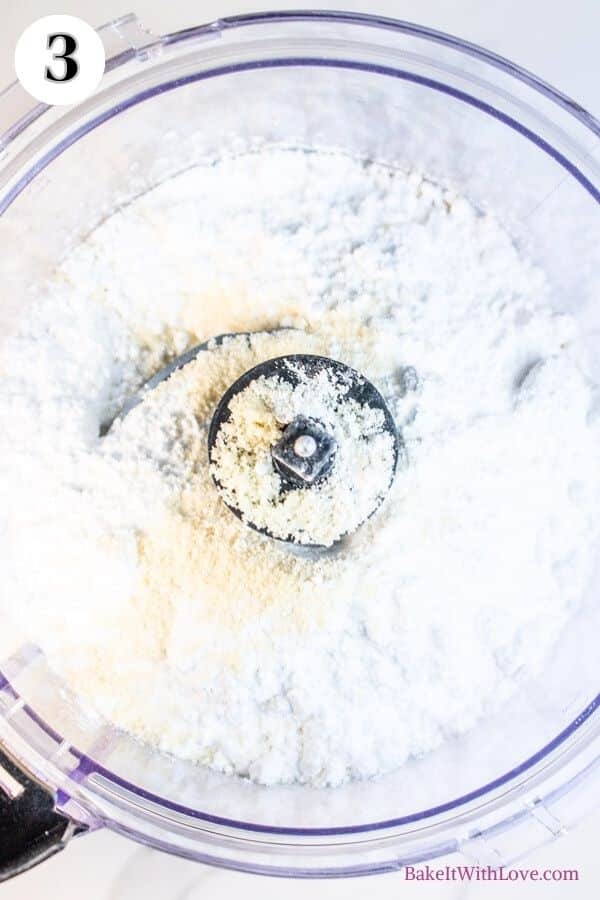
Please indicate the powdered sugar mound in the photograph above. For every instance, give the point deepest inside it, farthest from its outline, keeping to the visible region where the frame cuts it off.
(175, 621)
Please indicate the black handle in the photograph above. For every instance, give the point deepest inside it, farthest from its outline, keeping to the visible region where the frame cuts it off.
(31, 830)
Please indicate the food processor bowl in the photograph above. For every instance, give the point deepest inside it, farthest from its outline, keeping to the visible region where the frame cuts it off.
(373, 88)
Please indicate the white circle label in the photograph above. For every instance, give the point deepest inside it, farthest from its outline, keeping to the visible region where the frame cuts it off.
(59, 60)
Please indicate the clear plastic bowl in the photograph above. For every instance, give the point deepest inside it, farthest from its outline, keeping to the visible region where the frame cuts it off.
(376, 88)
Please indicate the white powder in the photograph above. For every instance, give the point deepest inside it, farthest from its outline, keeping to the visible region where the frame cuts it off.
(174, 620)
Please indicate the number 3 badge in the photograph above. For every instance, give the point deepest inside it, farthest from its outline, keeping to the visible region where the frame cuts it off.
(59, 60)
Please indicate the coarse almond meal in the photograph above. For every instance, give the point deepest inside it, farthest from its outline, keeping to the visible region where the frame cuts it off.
(333, 507)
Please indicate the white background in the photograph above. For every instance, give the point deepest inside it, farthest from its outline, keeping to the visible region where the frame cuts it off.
(557, 41)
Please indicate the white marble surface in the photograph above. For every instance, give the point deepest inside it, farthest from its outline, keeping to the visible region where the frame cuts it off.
(557, 41)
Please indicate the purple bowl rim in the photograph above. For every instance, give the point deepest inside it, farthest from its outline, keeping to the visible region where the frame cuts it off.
(571, 106)
(285, 62)
(404, 27)
(87, 765)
